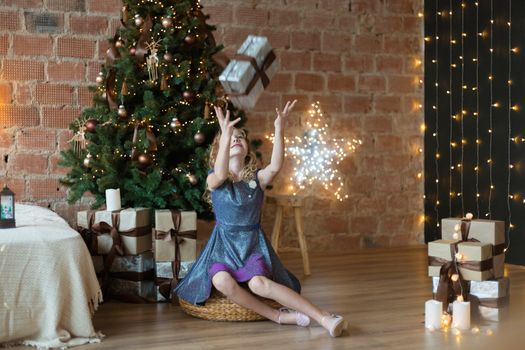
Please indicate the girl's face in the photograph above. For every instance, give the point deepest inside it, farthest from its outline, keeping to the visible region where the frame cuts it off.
(238, 144)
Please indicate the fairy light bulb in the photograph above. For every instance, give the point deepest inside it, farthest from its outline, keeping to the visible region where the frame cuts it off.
(316, 154)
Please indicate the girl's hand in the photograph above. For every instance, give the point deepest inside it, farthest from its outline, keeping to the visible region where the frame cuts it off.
(224, 122)
(281, 116)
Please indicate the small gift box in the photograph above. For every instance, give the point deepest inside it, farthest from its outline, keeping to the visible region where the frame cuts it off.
(132, 225)
(491, 297)
(132, 291)
(249, 73)
(474, 259)
(175, 231)
(132, 267)
(485, 231)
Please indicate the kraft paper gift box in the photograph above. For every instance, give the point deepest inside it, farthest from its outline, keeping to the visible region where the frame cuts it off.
(485, 231)
(240, 79)
(476, 264)
(493, 298)
(165, 249)
(134, 230)
(133, 267)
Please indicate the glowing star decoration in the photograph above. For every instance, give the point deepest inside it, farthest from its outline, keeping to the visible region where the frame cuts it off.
(316, 155)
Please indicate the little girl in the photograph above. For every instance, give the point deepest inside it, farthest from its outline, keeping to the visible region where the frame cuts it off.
(238, 250)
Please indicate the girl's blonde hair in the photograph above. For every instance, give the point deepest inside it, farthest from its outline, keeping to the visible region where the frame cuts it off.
(250, 162)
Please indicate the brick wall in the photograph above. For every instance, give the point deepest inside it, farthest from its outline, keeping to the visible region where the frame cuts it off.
(361, 59)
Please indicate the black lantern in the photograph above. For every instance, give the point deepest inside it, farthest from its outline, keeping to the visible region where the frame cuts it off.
(7, 207)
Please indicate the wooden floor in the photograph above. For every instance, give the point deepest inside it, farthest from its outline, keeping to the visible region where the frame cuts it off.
(381, 292)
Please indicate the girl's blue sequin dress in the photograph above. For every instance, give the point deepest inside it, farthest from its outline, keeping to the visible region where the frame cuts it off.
(237, 244)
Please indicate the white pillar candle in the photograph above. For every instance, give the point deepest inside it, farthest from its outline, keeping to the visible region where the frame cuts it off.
(461, 314)
(112, 199)
(433, 311)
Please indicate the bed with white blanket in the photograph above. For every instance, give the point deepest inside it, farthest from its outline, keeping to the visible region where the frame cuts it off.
(48, 287)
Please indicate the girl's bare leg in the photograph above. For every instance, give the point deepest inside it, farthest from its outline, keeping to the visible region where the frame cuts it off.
(267, 288)
(227, 285)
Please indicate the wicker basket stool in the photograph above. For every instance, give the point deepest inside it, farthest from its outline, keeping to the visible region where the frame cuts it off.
(220, 308)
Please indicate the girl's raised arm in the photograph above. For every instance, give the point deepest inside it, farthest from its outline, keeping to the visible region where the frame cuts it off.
(221, 166)
(267, 174)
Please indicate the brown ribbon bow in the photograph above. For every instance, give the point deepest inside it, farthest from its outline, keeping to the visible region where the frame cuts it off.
(260, 72)
(178, 238)
(447, 288)
(116, 248)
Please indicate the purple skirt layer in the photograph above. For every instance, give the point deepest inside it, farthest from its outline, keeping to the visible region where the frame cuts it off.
(255, 266)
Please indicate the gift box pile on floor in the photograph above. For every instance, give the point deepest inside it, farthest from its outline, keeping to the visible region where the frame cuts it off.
(467, 270)
(133, 261)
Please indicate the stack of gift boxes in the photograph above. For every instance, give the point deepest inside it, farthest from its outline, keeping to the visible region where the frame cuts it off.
(133, 261)
(467, 264)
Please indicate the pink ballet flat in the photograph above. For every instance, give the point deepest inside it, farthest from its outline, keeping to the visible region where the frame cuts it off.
(336, 324)
(300, 319)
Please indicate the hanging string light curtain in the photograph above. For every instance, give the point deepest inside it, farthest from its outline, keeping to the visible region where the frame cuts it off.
(473, 88)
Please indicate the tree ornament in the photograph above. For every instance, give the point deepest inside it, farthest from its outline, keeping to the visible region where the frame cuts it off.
(138, 20)
(192, 179)
(79, 139)
(87, 160)
(100, 78)
(145, 159)
(188, 95)
(168, 57)
(199, 137)
(133, 50)
(175, 123)
(190, 39)
(91, 125)
(125, 14)
(207, 110)
(122, 112)
(152, 60)
(164, 82)
(124, 88)
(119, 43)
(167, 22)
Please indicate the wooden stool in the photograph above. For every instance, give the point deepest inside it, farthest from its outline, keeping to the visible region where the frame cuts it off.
(296, 202)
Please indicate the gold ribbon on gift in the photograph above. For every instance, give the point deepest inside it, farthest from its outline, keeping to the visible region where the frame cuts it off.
(179, 240)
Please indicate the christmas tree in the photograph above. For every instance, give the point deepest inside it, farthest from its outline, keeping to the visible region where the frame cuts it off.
(149, 129)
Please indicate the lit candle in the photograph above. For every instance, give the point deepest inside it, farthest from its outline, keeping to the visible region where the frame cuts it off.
(461, 313)
(113, 199)
(433, 310)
